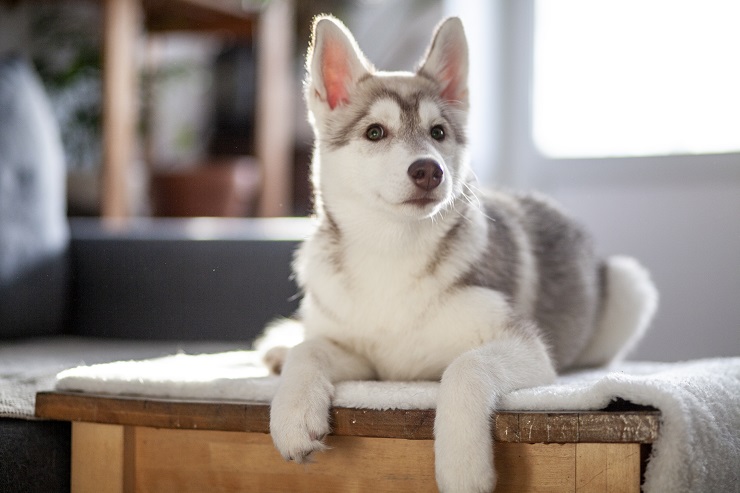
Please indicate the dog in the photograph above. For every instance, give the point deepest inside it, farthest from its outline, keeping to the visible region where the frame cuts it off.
(412, 273)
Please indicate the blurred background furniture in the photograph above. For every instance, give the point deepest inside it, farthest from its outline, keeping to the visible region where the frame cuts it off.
(85, 290)
(268, 23)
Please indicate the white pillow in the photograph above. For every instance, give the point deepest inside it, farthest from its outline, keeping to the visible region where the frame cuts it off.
(34, 234)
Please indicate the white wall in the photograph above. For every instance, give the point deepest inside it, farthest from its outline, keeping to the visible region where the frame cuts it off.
(688, 235)
(680, 216)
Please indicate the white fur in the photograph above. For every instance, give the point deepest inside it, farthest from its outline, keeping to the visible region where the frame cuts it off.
(299, 411)
(468, 393)
(632, 301)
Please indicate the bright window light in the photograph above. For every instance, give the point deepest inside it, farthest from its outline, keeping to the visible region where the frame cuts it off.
(636, 77)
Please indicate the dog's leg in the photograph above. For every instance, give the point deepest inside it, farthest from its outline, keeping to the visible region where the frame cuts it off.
(299, 414)
(468, 394)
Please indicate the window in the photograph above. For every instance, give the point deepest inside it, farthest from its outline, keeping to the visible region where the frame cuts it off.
(636, 77)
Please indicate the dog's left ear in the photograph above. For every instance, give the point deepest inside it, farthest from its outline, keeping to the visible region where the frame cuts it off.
(447, 61)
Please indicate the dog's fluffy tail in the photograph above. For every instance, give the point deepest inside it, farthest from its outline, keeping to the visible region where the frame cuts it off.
(629, 301)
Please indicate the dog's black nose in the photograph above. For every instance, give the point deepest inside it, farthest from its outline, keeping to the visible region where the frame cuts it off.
(426, 174)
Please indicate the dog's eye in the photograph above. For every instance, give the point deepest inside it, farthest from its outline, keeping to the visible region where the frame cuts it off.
(437, 132)
(375, 132)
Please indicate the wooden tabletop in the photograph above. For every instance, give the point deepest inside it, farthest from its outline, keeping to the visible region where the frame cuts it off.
(623, 424)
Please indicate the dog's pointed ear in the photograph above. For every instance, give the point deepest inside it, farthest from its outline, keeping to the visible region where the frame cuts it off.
(447, 61)
(334, 62)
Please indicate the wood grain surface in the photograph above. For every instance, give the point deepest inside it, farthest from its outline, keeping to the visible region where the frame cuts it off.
(623, 426)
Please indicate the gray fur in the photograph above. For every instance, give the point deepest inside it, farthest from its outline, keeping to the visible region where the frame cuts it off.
(407, 93)
(570, 280)
(333, 233)
(498, 267)
(569, 277)
(447, 245)
(568, 291)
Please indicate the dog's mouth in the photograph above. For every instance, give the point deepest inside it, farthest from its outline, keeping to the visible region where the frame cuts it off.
(421, 202)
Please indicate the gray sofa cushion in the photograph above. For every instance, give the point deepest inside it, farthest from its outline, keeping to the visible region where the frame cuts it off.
(183, 279)
(34, 233)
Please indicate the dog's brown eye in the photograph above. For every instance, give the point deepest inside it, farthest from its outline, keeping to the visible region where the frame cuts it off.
(375, 132)
(437, 132)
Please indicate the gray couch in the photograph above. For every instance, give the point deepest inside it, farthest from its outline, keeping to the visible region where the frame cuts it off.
(151, 288)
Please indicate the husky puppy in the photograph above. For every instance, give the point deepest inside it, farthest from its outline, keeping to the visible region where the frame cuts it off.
(412, 274)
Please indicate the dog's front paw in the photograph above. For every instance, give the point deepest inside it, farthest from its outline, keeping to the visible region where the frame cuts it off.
(299, 418)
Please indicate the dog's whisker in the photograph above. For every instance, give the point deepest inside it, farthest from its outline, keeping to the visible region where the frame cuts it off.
(473, 199)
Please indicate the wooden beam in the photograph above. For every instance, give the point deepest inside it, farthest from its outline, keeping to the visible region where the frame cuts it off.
(120, 104)
(98, 458)
(275, 109)
(216, 16)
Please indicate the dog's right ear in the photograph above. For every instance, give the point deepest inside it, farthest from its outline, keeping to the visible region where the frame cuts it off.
(334, 62)
(447, 61)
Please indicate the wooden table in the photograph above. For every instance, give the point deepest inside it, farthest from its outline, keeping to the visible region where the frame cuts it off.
(122, 444)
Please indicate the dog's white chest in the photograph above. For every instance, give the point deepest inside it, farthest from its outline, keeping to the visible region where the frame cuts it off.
(389, 310)
(377, 294)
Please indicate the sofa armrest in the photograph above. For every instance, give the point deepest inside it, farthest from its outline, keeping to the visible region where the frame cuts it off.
(182, 279)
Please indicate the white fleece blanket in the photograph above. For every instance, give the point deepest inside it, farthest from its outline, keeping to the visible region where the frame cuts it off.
(698, 448)
(29, 366)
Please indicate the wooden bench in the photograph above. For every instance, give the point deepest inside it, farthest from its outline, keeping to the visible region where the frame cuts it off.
(127, 444)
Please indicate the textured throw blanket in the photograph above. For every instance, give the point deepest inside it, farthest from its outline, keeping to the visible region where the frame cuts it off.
(698, 448)
(31, 365)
